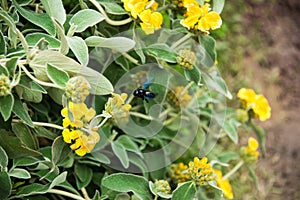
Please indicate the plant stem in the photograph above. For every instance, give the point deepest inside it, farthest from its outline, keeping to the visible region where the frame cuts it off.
(4, 5)
(147, 117)
(37, 80)
(64, 193)
(187, 36)
(231, 172)
(130, 58)
(22, 39)
(85, 194)
(107, 19)
(41, 124)
(103, 122)
(156, 197)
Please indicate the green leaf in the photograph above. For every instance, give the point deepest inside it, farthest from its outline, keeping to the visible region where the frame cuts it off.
(102, 158)
(20, 173)
(60, 150)
(42, 20)
(231, 131)
(3, 48)
(3, 159)
(57, 76)
(37, 87)
(37, 188)
(3, 70)
(209, 44)
(54, 58)
(25, 91)
(43, 132)
(84, 175)
(56, 95)
(162, 51)
(228, 156)
(79, 48)
(185, 191)
(25, 161)
(214, 82)
(86, 18)
(128, 144)
(100, 84)
(21, 112)
(6, 106)
(5, 185)
(11, 65)
(121, 153)
(120, 44)
(33, 38)
(261, 134)
(64, 47)
(218, 5)
(128, 183)
(55, 9)
(13, 146)
(25, 135)
(193, 75)
(8, 20)
(112, 7)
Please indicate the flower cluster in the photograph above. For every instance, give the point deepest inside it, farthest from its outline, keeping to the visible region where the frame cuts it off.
(186, 59)
(179, 96)
(200, 17)
(250, 153)
(224, 184)
(150, 20)
(5, 87)
(117, 108)
(179, 172)
(77, 89)
(162, 186)
(255, 102)
(77, 130)
(200, 171)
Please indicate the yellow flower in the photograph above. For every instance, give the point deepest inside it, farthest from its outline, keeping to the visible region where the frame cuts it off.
(179, 172)
(200, 17)
(135, 7)
(223, 184)
(117, 108)
(262, 108)
(210, 21)
(250, 153)
(186, 59)
(151, 21)
(78, 131)
(200, 171)
(257, 102)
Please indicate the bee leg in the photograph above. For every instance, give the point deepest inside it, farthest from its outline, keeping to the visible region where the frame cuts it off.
(146, 100)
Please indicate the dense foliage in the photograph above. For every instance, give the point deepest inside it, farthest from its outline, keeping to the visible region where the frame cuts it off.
(119, 99)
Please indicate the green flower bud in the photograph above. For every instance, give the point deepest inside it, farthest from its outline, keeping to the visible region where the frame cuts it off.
(77, 89)
(5, 87)
(162, 186)
(242, 115)
(186, 59)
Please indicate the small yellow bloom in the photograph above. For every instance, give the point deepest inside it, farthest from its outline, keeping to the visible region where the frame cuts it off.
(77, 89)
(5, 85)
(200, 171)
(257, 102)
(179, 172)
(223, 184)
(250, 153)
(135, 7)
(186, 59)
(117, 108)
(179, 96)
(151, 21)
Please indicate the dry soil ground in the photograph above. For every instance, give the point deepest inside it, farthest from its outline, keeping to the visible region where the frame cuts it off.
(277, 23)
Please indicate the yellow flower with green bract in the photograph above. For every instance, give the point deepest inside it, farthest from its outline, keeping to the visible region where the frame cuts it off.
(179, 97)
(77, 131)
(250, 153)
(179, 173)
(224, 184)
(5, 85)
(117, 107)
(200, 171)
(255, 102)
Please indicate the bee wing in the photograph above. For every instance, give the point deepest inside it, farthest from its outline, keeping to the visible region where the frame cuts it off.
(147, 83)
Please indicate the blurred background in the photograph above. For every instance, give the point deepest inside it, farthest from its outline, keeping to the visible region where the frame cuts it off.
(259, 48)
